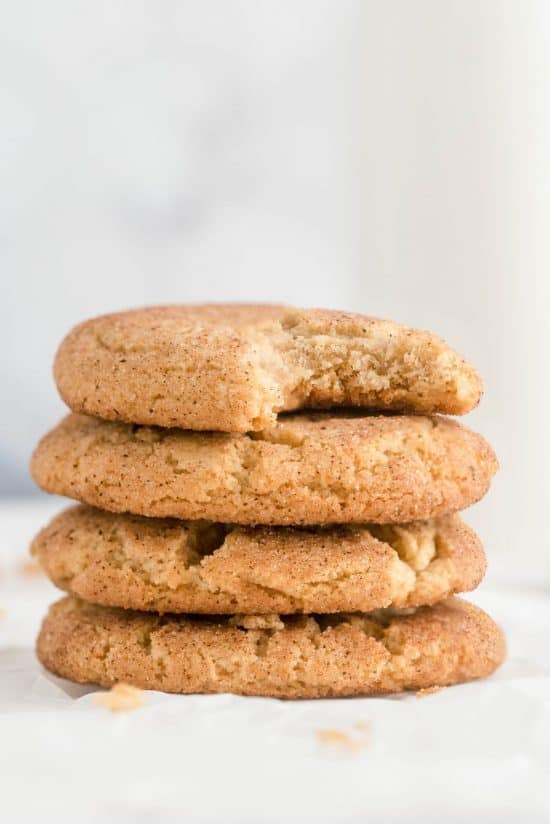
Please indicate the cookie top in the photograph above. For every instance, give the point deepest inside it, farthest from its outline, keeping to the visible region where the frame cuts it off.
(201, 567)
(306, 469)
(292, 657)
(232, 367)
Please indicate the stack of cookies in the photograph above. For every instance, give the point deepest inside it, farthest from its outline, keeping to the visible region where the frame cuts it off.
(221, 548)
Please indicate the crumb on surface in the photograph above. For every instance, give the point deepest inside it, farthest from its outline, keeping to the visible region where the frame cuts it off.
(29, 568)
(2, 613)
(343, 740)
(121, 698)
(423, 693)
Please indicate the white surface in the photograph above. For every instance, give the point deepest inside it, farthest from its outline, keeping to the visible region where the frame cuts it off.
(478, 752)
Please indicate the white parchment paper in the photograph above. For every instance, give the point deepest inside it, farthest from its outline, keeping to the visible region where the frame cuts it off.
(477, 752)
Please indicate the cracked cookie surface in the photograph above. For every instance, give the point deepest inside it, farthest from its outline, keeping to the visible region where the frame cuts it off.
(291, 657)
(234, 367)
(313, 468)
(165, 565)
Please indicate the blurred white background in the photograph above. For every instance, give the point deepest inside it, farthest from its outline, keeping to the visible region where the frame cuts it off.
(386, 157)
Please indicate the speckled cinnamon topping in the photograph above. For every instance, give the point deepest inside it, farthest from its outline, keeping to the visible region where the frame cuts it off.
(165, 565)
(317, 468)
(301, 657)
(233, 367)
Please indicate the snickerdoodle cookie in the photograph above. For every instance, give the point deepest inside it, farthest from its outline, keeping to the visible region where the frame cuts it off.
(306, 469)
(201, 567)
(291, 657)
(232, 367)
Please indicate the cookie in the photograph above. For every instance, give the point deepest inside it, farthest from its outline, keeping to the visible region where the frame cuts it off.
(306, 469)
(233, 367)
(200, 567)
(291, 657)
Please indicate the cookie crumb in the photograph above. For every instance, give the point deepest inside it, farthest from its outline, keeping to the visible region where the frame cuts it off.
(30, 568)
(343, 740)
(121, 698)
(256, 621)
(423, 693)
